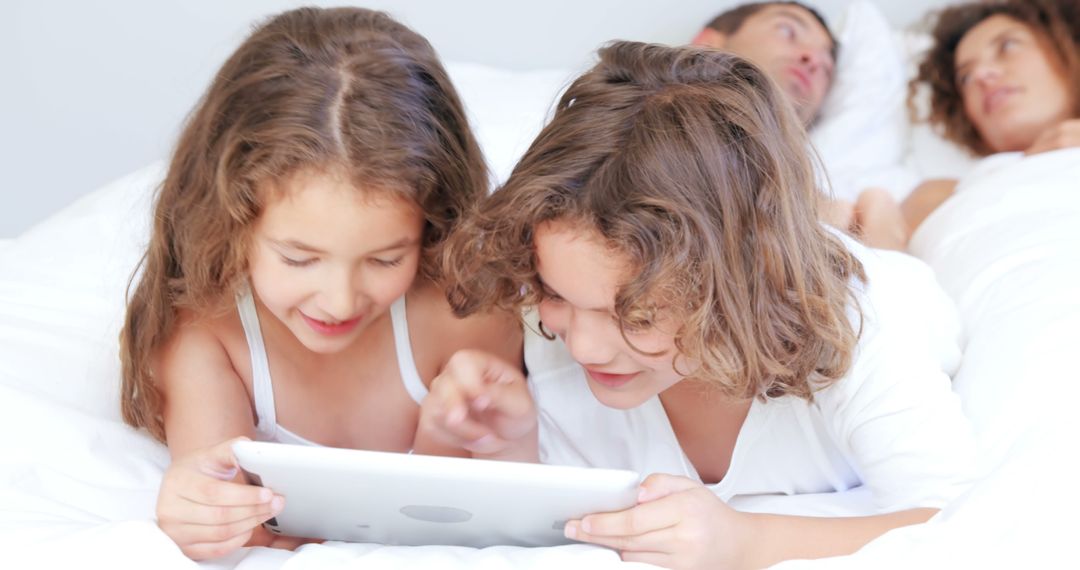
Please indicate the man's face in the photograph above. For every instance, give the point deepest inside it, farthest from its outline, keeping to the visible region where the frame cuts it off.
(790, 45)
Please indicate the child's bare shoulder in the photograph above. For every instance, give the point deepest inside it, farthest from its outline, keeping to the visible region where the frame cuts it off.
(496, 332)
(199, 344)
(207, 398)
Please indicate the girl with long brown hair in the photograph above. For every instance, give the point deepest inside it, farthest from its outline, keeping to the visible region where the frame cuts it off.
(297, 235)
(709, 329)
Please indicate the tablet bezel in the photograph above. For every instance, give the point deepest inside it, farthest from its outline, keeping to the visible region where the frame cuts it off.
(506, 502)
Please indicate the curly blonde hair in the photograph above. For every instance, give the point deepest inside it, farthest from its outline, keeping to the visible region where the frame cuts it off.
(693, 166)
(346, 90)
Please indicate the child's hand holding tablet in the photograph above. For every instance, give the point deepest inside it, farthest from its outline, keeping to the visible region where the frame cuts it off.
(394, 498)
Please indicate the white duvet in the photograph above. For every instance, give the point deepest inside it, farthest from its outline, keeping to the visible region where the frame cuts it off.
(77, 487)
(1006, 247)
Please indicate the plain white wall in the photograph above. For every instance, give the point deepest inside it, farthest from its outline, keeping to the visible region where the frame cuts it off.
(93, 90)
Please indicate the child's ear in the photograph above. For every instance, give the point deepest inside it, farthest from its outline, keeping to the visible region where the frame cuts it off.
(709, 37)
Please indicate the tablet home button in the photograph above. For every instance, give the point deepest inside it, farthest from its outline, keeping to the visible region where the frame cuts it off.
(433, 513)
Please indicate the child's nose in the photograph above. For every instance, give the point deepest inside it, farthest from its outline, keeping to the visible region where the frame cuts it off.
(340, 298)
(586, 341)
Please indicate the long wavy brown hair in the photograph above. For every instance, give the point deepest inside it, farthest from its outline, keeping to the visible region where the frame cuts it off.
(344, 89)
(1056, 23)
(692, 165)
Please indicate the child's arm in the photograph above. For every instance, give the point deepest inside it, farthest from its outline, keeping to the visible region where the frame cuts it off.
(679, 523)
(204, 504)
(481, 403)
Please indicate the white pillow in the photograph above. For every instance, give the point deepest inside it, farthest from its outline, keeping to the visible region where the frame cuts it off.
(929, 154)
(861, 132)
(62, 288)
(507, 108)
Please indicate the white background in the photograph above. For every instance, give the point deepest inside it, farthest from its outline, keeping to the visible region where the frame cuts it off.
(93, 90)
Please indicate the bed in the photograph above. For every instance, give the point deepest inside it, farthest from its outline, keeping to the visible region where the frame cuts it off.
(78, 487)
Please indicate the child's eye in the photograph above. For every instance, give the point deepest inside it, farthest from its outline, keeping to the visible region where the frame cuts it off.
(387, 262)
(298, 262)
(637, 326)
(1007, 45)
(639, 321)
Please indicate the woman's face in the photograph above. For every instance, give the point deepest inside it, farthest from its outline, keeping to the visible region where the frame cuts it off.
(581, 277)
(1013, 89)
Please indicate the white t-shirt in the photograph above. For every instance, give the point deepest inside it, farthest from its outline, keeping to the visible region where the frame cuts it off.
(891, 431)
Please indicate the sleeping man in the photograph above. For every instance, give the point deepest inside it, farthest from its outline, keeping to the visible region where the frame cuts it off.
(789, 41)
(793, 45)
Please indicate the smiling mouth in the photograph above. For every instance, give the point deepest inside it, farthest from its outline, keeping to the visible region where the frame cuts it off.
(331, 328)
(610, 380)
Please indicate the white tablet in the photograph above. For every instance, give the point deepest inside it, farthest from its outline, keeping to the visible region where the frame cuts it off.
(394, 498)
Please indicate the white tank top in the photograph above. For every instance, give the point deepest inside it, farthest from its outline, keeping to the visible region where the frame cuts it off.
(266, 426)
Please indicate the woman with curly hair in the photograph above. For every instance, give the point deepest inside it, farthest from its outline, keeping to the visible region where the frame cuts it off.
(1004, 76)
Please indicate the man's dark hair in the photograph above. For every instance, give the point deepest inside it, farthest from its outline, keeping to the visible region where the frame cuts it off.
(729, 22)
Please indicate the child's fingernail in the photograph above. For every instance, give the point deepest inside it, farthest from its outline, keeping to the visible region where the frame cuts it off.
(642, 494)
(277, 504)
(265, 495)
(585, 526)
(570, 530)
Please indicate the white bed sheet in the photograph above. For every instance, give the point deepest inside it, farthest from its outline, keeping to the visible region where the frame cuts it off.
(1006, 247)
(81, 492)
